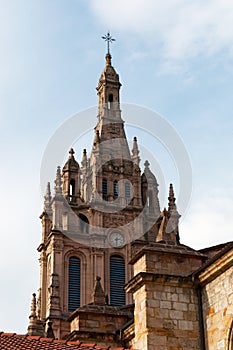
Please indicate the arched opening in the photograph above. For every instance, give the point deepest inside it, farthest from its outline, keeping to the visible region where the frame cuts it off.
(105, 189)
(150, 202)
(74, 284)
(127, 192)
(117, 280)
(115, 189)
(72, 190)
(144, 189)
(110, 101)
(84, 223)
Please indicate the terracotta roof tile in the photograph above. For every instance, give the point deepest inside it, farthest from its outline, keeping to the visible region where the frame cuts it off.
(12, 341)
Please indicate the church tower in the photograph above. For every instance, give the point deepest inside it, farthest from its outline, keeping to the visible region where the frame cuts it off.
(98, 208)
(112, 269)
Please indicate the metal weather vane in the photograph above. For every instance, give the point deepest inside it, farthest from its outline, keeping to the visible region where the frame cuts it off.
(109, 39)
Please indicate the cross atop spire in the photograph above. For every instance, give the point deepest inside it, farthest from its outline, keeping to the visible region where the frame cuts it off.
(109, 39)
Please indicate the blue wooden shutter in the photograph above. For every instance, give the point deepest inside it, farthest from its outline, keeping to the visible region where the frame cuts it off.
(74, 284)
(105, 189)
(127, 191)
(117, 280)
(115, 189)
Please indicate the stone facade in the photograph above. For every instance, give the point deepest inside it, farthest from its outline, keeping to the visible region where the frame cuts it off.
(166, 303)
(217, 297)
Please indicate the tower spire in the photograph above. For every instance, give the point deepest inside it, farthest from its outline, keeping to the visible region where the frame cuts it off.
(169, 228)
(171, 199)
(58, 182)
(135, 151)
(35, 326)
(33, 306)
(84, 159)
(47, 199)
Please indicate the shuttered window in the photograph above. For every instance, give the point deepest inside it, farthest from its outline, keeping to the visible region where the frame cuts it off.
(117, 280)
(105, 189)
(115, 189)
(74, 284)
(127, 191)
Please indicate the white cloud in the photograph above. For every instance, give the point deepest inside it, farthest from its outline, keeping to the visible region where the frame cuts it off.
(209, 220)
(184, 29)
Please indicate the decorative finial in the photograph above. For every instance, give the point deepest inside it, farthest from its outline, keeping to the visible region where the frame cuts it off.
(135, 151)
(47, 199)
(146, 164)
(48, 192)
(98, 296)
(58, 182)
(84, 158)
(97, 137)
(33, 306)
(109, 39)
(35, 327)
(171, 199)
(71, 152)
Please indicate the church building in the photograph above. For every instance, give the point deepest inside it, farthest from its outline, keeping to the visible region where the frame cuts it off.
(113, 270)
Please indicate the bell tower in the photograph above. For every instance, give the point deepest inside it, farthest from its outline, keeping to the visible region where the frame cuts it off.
(89, 223)
(108, 89)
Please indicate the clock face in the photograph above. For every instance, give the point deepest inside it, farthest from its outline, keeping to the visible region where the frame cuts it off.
(116, 239)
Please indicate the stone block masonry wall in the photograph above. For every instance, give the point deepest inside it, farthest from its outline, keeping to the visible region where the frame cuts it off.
(166, 302)
(166, 314)
(217, 298)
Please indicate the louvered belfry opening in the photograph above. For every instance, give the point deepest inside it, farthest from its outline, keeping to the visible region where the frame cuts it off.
(117, 280)
(127, 191)
(105, 189)
(74, 284)
(115, 189)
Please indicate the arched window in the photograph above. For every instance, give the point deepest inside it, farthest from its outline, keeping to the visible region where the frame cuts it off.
(110, 101)
(117, 280)
(105, 189)
(72, 190)
(84, 223)
(150, 202)
(74, 284)
(127, 191)
(115, 189)
(72, 187)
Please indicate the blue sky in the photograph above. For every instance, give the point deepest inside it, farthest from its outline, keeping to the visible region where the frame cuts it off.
(174, 58)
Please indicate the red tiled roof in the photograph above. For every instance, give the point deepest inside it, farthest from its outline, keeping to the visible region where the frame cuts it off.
(12, 341)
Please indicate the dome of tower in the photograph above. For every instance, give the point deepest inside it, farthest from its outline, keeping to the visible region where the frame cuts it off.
(71, 164)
